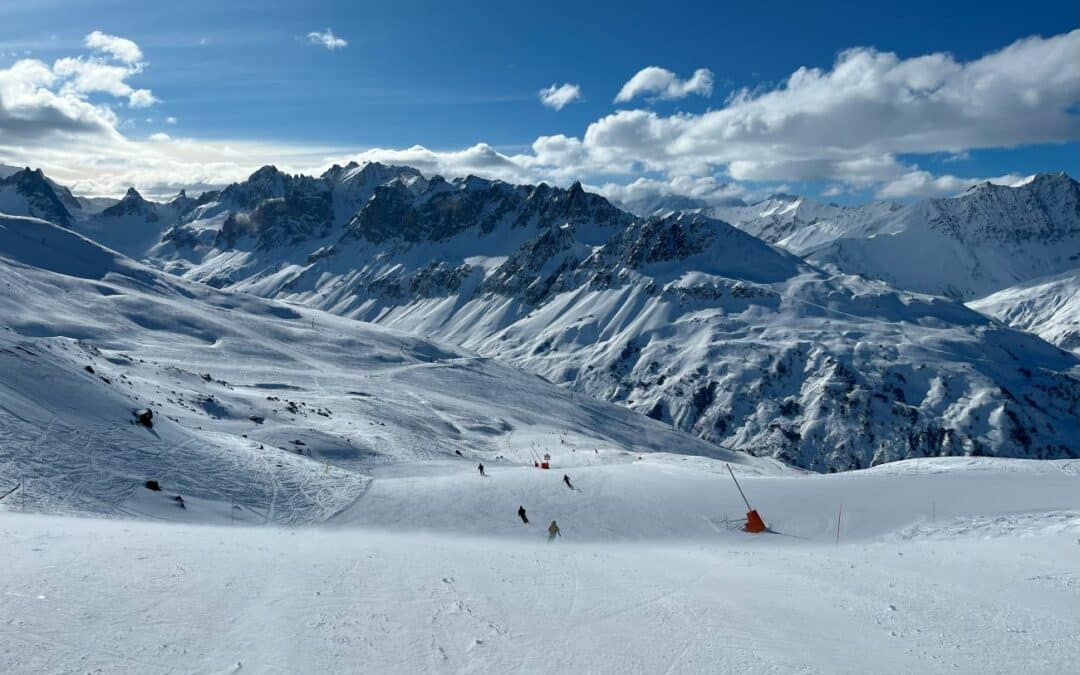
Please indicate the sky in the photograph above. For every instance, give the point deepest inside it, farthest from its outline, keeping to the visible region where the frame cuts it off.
(843, 101)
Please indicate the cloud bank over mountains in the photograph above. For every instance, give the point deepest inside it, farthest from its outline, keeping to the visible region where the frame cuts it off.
(857, 125)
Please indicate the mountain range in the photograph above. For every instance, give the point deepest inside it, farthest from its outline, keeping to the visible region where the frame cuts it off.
(814, 334)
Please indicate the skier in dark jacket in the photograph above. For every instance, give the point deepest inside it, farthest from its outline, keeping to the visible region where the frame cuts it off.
(521, 514)
(566, 479)
(481, 468)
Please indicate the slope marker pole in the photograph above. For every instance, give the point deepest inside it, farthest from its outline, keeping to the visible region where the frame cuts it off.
(838, 517)
(745, 500)
(17, 486)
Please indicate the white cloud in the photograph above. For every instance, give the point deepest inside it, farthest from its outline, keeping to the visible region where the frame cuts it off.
(852, 125)
(664, 84)
(141, 98)
(925, 184)
(170, 120)
(160, 137)
(92, 75)
(33, 108)
(559, 96)
(119, 48)
(480, 159)
(106, 72)
(705, 189)
(327, 39)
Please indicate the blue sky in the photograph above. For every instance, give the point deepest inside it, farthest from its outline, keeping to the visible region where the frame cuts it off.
(448, 76)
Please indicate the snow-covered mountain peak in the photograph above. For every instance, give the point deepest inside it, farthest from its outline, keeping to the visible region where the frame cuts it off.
(680, 316)
(131, 204)
(367, 174)
(29, 192)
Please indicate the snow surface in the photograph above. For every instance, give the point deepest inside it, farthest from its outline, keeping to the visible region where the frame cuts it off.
(276, 410)
(679, 317)
(682, 318)
(959, 566)
(989, 238)
(321, 511)
(1047, 306)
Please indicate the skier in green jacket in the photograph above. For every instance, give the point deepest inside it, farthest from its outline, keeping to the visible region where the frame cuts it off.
(553, 531)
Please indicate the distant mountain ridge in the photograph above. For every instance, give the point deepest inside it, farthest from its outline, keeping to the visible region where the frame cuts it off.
(987, 239)
(678, 316)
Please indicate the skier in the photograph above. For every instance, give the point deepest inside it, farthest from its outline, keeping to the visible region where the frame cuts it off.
(521, 514)
(566, 479)
(481, 468)
(553, 531)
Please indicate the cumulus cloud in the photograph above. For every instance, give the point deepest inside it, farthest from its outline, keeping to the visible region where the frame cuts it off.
(480, 159)
(121, 49)
(645, 194)
(160, 165)
(327, 39)
(34, 108)
(662, 83)
(860, 124)
(87, 76)
(42, 103)
(559, 96)
(847, 124)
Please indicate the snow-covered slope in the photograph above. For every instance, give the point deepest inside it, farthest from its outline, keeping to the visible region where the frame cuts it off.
(941, 566)
(280, 411)
(1047, 306)
(680, 317)
(800, 225)
(990, 238)
(987, 239)
(131, 225)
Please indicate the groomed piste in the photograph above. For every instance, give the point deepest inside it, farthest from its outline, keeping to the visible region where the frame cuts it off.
(331, 517)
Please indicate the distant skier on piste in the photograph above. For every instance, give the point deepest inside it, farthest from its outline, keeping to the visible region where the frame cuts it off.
(521, 514)
(566, 479)
(481, 469)
(553, 531)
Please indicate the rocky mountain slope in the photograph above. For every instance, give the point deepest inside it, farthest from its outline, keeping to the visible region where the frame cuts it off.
(260, 411)
(681, 317)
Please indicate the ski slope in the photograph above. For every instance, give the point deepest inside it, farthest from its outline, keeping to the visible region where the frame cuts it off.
(262, 411)
(333, 519)
(958, 566)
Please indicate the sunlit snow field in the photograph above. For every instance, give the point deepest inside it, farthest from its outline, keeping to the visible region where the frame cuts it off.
(334, 519)
(943, 566)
